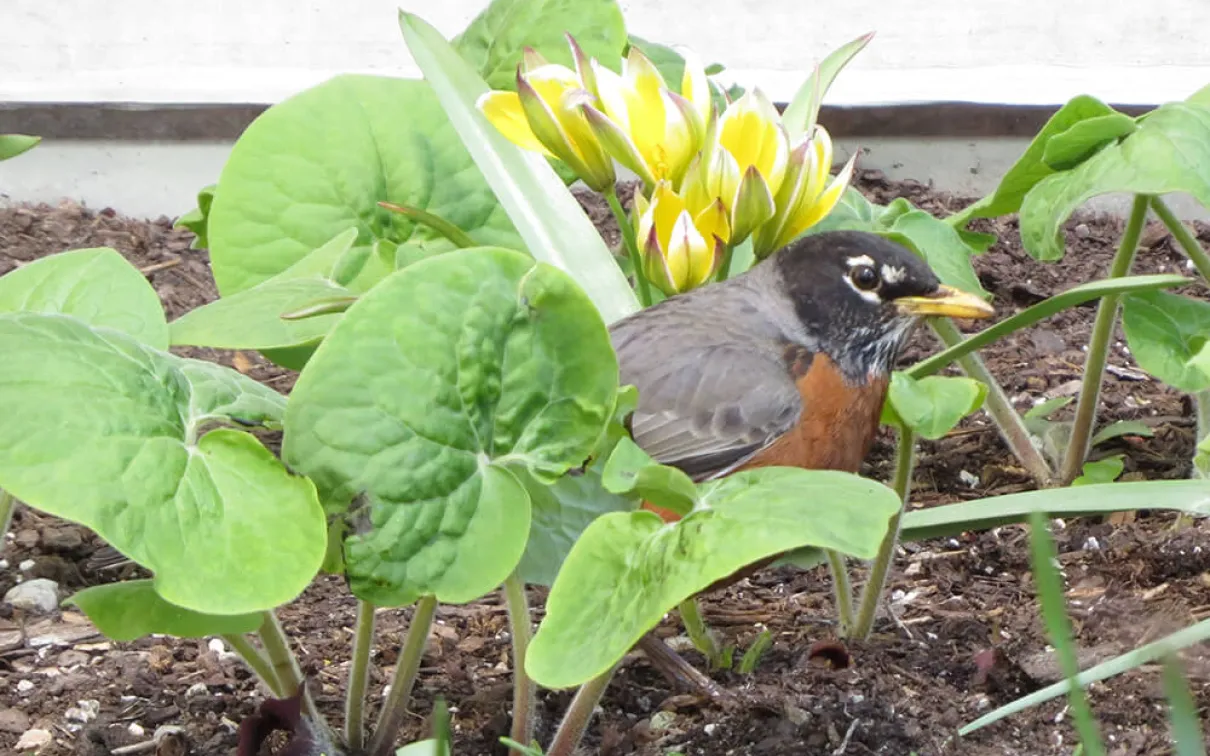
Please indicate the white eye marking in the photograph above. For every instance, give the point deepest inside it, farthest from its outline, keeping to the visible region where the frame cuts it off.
(892, 274)
(869, 296)
(853, 262)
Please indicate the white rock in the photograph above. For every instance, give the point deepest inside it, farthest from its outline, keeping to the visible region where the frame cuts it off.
(136, 730)
(709, 729)
(3, 564)
(26, 565)
(32, 740)
(197, 689)
(38, 595)
(84, 711)
(24, 686)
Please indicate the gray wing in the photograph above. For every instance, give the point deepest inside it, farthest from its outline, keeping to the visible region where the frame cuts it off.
(706, 404)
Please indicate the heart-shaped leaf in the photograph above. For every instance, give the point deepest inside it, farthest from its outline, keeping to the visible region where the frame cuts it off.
(1100, 471)
(435, 382)
(631, 470)
(632, 568)
(1032, 167)
(931, 406)
(1166, 332)
(496, 39)
(128, 611)
(1169, 152)
(1082, 140)
(104, 431)
(96, 286)
(319, 162)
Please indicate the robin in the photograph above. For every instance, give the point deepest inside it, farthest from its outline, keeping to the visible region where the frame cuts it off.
(787, 364)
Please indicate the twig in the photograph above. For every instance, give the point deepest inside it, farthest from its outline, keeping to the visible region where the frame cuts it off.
(149, 269)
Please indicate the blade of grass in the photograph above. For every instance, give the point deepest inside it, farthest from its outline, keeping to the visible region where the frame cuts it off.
(1054, 611)
(545, 213)
(1191, 635)
(1182, 711)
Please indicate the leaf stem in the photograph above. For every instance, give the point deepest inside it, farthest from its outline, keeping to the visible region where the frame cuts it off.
(579, 713)
(632, 247)
(1183, 236)
(8, 505)
(285, 664)
(1008, 421)
(256, 661)
(1201, 412)
(695, 627)
(842, 589)
(525, 693)
(871, 594)
(390, 719)
(447, 229)
(1098, 346)
(359, 677)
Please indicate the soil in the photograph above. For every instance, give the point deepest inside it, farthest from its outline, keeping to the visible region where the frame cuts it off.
(965, 634)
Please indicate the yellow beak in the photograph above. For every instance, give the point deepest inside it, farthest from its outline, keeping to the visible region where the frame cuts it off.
(947, 301)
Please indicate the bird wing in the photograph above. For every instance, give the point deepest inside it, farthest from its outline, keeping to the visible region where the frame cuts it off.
(711, 410)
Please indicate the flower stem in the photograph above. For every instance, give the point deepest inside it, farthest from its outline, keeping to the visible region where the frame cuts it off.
(843, 590)
(632, 247)
(1183, 236)
(256, 661)
(1098, 345)
(1008, 421)
(8, 505)
(575, 720)
(395, 707)
(359, 676)
(285, 664)
(525, 693)
(724, 266)
(695, 627)
(871, 594)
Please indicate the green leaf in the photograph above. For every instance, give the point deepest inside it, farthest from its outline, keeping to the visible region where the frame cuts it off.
(1200, 97)
(1166, 332)
(319, 162)
(131, 610)
(799, 116)
(97, 286)
(1031, 167)
(106, 432)
(1146, 654)
(1122, 428)
(1048, 406)
(548, 217)
(1084, 138)
(1182, 711)
(252, 318)
(433, 383)
(631, 471)
(1076, 295)
(1170, 152)
(1101, 471)
(932, 406)
(561, 512)
(12, 145)
(941, 247)
(1192, 496)
(632, 568)
(196, 219)
(496, 39)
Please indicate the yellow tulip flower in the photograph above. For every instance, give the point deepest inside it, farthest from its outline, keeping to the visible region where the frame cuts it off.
(546, 115)
(806, 196)
(648, 128)
(680, 251)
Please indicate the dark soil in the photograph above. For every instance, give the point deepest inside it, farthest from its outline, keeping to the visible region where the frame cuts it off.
(965, 636)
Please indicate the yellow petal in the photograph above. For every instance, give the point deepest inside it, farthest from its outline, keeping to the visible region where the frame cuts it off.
(714, 221)
(750, 129)
(611, 90)
(695, 86)
(551, 81)
(618, 144)
(648, 119)
(753, 207)
(503, 110)
(686, 253)
(811, 213)
(666, 206)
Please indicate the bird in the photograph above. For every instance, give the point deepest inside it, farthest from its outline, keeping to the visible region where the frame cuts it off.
(786, 364)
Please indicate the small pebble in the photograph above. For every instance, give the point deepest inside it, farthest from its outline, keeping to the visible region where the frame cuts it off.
(136, 730)
(24, 686)
(32, 740)
(3, 564)
(1083, 231)
(197, 689)
(38, 595)
(1092, 544)
(84, 711)
(709, 729)
(26, 565)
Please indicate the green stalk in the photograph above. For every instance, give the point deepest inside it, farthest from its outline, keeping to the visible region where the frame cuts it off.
(390, 719)
(1008, 421)
(871, 594)
(724, 266)
(285, 664)
(8, 505)
(1098, 346)
(843, 591)
(632, 247)
(575, 720)
(695, 627)
(525, 693)
(256, 661)
(359, 677)
(1183, 236)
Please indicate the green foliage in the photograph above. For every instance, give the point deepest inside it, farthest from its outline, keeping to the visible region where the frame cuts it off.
(1167, 334)
(12, 145)
(631, 471)
(197, 219)
(799, 116)
(128, 611)
(931, 406)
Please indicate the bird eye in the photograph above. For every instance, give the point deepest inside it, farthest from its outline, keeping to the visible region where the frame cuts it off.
(865, 277)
